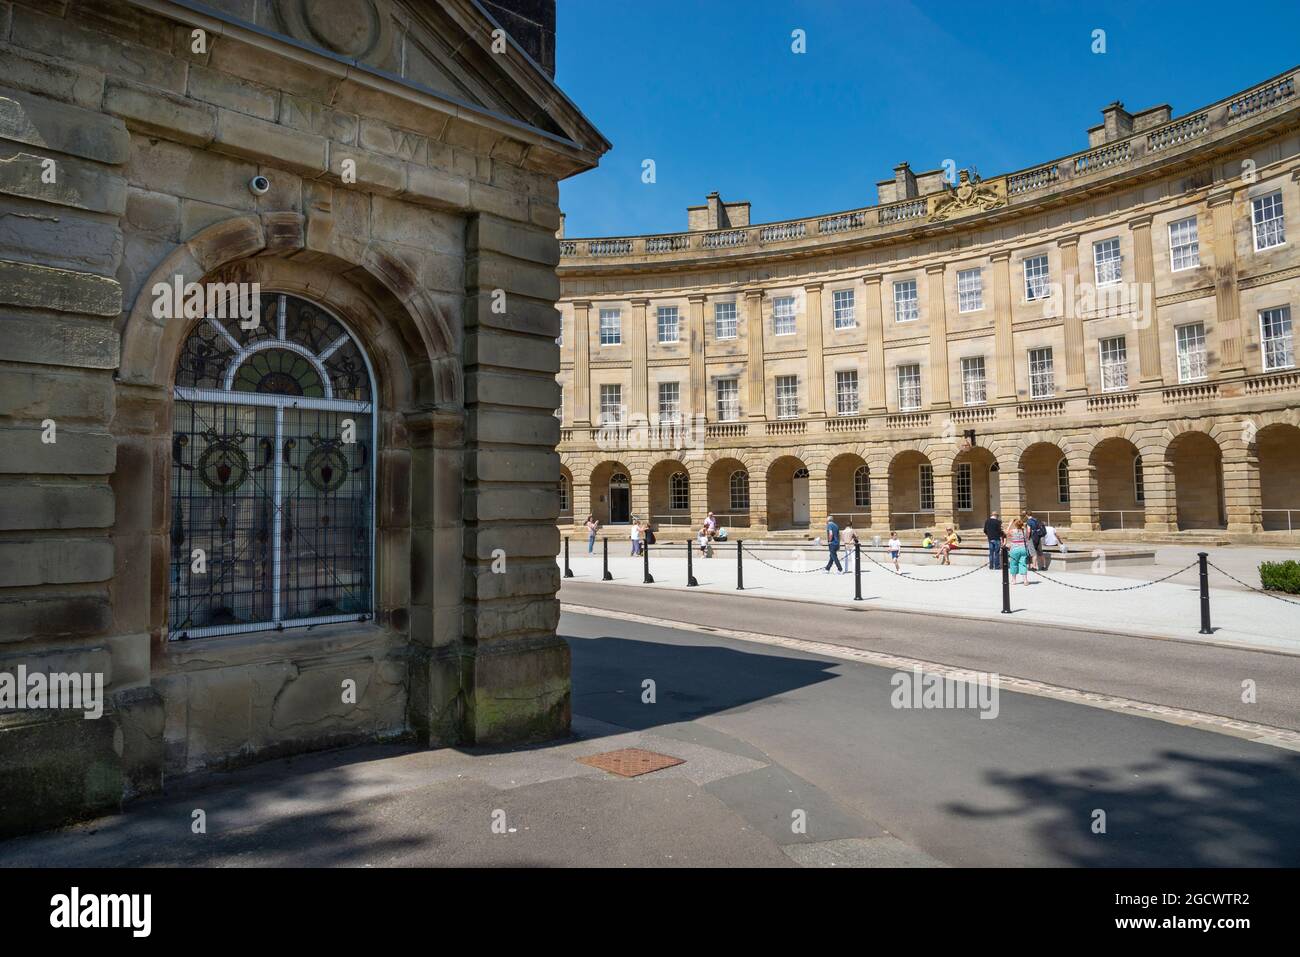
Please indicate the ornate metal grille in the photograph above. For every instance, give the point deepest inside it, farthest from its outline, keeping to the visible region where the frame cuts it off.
(272, 504)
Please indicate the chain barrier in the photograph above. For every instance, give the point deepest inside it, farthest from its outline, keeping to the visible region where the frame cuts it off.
(790, 571)
(946, 578)
(1154, 581)
(1269, 594)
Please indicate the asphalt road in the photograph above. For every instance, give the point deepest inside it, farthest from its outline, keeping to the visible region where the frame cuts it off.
(1024, 788)
(1192, 675)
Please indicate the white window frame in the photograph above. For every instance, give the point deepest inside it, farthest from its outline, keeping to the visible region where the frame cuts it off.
(970, 289)
(907, 301)
(1042, 371)
(1260, 205)
(679, 492)
(719, 325)
(664, 314)
(844, 306)
(862, 487)
(1187, 371)
(787, 397)
(911, 372)
(614, 390)
(1063, 481)
(1108, 262)
(1185, 249)
(974, 392)
(738, 491)
(1277, 351)
(727, 407)
(925, 487)
(1037, 272)
(673, 414)
(784, 320)
(847, 401)
(1114, 368)
(1139, 481)
(963, 490)
(611, 327)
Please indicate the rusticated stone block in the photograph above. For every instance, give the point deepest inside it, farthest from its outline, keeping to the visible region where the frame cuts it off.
(30, 506)
(74, 452)
(77, 185)
(62, 342)
(163, 114)
(47, 124)
(58, 561)
(65, 290)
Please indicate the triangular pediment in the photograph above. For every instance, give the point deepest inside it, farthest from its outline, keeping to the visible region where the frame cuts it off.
(446, 47)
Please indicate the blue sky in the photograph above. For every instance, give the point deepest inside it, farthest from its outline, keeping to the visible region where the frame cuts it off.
(710, 90)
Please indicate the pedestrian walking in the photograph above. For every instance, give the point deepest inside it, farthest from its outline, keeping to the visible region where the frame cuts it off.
(1032, 534)
(895, 549)
(705, 542)
(832, 545)
(993, 532)
(1018, 560)
(636, 538)
(593, 526)
(848, 538)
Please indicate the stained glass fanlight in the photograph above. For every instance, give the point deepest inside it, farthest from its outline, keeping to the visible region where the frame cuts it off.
(272, 502)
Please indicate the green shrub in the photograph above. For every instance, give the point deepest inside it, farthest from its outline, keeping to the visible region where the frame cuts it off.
(1280, 576)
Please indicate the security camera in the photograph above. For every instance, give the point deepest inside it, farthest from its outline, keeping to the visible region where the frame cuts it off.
(260, 185)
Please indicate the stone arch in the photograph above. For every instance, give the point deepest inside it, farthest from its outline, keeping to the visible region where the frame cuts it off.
(779, 478)
(602, 505)
(1196, 460)
(1277, 451)
(371, 288)
(660, 480)
(973, 503)
(907, 470)
(848, 489)
(1120, 473)
(1044, 475)
(720, 472)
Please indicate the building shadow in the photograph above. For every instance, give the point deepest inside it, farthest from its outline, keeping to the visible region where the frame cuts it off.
(690, 681)
(1179, 810)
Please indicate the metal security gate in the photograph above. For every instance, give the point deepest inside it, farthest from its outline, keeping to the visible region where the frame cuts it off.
(273, 466)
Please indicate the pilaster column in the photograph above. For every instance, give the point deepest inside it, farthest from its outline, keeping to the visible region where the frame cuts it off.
(1003, 345)
(938, 321)
(1241, 493)
(816, 361)
(818, 500)
(638, 405)
(875, 334)
(757, 400)
(1148, 327)
(944, 512)
(699, 379)
(699, 476)
(582, 506)
(1075, 369)
(581, 365)
(1084, 498)
(1161, 513)
(1227, 300)
(879, 479)
(1011, 494)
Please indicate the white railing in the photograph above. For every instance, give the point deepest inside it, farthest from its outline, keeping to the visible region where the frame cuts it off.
(1128, 518)
(1292, 518)
(731, 520)
(672, 518)
(911, 519)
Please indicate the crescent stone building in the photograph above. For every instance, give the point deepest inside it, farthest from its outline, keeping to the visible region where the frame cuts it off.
(1105, 339)
(277, 359)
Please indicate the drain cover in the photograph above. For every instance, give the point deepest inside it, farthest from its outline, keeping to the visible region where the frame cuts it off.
(629, 762)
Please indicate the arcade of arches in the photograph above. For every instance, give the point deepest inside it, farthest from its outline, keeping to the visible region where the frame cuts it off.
(1205, 477)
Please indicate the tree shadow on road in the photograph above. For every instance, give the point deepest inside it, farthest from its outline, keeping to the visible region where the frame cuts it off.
(1180, 810)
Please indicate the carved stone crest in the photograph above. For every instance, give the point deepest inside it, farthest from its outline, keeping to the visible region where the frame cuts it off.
(966, 197)
(356, 29)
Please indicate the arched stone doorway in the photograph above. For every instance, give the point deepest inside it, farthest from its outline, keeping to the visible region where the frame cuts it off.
(728, 493)
(1197, 464)
(1121, 484)
(787, 494)
(670, 494)
(848, 490)
(611, 493)
(1045, 475)
(911, 491)
(1278, 448)
(975, 493)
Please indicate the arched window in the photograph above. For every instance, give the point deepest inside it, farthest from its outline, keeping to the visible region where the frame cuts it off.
(1139, 482)
(862, 487)
(564, 496)
(679, 491)
(272, 498)
(1063, 481)
(739, 491)
(800, 473)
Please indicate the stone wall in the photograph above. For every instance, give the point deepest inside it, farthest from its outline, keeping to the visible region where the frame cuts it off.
(427, 225)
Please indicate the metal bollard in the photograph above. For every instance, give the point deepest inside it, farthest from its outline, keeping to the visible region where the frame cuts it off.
(857, 570)
(1006, 580)
(645, 563)
(568, 572)
(740, 568)
(607, 577)
(690, 566)
(1203, 558)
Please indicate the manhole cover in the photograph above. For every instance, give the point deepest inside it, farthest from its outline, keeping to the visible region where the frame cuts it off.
(629, 762)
